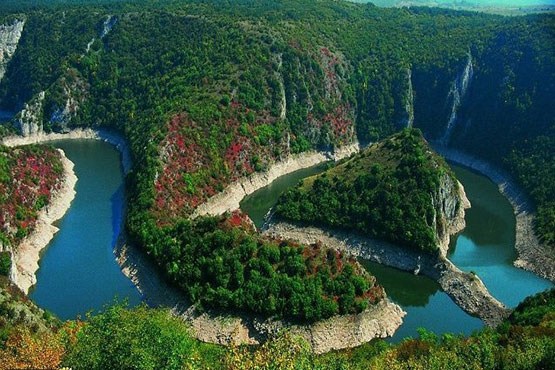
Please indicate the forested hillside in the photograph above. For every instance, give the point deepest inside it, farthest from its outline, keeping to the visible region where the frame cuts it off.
(397, 190)
(207, 92)
(144, 338)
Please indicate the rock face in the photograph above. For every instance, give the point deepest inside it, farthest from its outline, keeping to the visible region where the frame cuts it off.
(408, 120)
(456, 95)
(449, 201)
(9, 39)
(29, 120)
(74, 91)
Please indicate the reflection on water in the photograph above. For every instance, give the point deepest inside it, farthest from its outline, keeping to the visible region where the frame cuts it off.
(403, 287)
(427, 306)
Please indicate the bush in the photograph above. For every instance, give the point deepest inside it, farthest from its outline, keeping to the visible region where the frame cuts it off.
(5, 263)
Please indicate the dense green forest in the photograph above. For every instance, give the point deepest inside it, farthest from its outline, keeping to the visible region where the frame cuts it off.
(144, 338)
(222, 263)
(246, 83)
(208, 91)
(385, 191)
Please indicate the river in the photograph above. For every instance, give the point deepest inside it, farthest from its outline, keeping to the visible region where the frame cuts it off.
(78, 271)
(486, 246)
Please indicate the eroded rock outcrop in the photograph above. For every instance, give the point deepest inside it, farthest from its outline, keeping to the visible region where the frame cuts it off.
(9, 39)
(466, 289)
(449, 201)
(30, 120)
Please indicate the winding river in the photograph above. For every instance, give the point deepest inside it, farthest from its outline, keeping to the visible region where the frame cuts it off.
(78, 272)
(486, 246)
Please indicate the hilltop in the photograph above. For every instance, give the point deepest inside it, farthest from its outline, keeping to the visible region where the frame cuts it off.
(398, 190)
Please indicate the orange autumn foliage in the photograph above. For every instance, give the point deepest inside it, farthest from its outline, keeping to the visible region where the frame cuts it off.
(24, 350)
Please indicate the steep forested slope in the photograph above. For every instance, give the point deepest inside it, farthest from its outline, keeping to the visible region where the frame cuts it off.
(153, 339)
(28, 178)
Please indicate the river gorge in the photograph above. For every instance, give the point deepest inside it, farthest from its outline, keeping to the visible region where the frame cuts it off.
(82, 252)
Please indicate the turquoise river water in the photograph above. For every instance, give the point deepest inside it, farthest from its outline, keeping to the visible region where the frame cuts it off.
(78, 271)
(486, 246)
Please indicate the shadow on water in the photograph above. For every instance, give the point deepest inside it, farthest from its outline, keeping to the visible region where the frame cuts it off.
(403, 287)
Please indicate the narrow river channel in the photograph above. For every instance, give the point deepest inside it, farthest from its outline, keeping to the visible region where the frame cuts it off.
(78, 271)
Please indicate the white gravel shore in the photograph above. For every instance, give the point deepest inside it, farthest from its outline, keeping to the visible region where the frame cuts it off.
(27, 254)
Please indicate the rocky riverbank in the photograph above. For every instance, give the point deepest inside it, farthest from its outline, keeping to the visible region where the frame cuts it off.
(346, 331)
(456, 223)
(466, 289)
(532, 255)
(104, 135)
(228, 200)
(378, 321)
(26, 255)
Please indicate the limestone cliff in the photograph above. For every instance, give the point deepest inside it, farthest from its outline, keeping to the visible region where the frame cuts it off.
(9, 39)
(449, 202)
(73, 91)
(43, 113)
(29, 120)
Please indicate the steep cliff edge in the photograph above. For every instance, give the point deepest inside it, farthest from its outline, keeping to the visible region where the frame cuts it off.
(9, 39)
